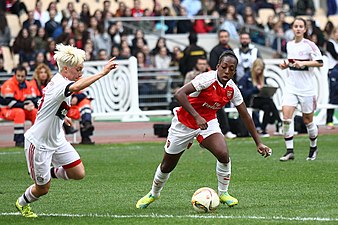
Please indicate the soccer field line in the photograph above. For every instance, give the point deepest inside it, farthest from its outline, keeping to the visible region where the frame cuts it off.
(197, 216)
(10, 153)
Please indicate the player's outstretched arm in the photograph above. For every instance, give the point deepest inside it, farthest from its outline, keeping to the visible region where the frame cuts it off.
(261, 148)
(87, 81)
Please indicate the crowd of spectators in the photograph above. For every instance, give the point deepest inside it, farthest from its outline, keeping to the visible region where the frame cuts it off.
(94, 31)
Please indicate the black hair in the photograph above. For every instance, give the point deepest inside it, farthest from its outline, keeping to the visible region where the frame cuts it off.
(227, 53)
(21, 68)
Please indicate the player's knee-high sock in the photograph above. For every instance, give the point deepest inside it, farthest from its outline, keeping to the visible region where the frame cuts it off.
(288, 131)
(159, 181)
(27, 197)
(223, 172)
(59, 173)
(312, 130)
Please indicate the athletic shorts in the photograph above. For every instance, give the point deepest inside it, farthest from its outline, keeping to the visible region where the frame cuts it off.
(308, 104)
(181, 137)
(39, 160)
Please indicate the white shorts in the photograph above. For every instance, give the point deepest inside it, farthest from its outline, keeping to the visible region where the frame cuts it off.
(308, 104)
(181, 137)
(39, 160)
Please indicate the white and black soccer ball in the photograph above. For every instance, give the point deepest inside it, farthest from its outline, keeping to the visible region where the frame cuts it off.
(205, 200)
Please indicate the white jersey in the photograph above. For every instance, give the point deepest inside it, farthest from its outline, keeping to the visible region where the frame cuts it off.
(47, 130)
(301, 81)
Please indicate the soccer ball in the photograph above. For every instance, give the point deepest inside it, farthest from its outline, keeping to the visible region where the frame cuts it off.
(205, 200)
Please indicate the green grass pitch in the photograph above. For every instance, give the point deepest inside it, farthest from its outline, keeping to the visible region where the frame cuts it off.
(269, 191)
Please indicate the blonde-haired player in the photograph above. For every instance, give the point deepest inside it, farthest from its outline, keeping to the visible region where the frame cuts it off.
(45, 141)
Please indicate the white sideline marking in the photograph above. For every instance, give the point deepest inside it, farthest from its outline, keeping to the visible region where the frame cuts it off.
(179, 216)
(9, 153)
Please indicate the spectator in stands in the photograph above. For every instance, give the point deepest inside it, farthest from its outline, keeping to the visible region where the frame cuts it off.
(312, 28)
(81, 35)
(305, 7)
(102, 40)
(141, 60)
(279, 43)
(120, 11)
(67, 12)
(13, 6)
(38, 12)
(161, 42)
(52, 25)
(24, 46)
(102, 54)
(176, 56)
(81, 109)
(5, 32)
(192, 6)
(148, 58)
(40, 58)
(232, 16)
(137, 11)
(332, 7)
(19, 105)
(93, 27)
(184, 26)
(176, 7)
(200, 25)
(171, 24)
(85, 13)
(190, 54)
(246, 53)
(88, 47)
(328, 30)
(46, 15)
(139, 34)
(256, 35)
(162, 59)
(223, 45)
(31, 20)
(138, 47)
(50, 54)
(200, 67)
(332, 54)
(250, 86)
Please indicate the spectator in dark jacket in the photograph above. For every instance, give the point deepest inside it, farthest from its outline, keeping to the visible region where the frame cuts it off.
(191, 54)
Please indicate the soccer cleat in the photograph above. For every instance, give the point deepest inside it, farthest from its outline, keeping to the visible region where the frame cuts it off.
(146, 200)
(312, 154)
(26, 210)
(330, 126)
(225, 198)
(287, 156)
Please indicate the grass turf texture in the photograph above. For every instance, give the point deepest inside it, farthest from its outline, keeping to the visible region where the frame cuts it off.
(269, 191)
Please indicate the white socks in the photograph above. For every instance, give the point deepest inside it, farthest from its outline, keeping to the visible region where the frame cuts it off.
(27, 197)
(223, 172)
(159, 181)
(312, 130)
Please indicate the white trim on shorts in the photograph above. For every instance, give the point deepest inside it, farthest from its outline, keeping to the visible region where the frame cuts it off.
(181, 137)
(39, 160)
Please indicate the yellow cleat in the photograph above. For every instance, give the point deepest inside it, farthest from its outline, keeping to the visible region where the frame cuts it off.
(26, 210)
(145, 201)
(225, 198)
